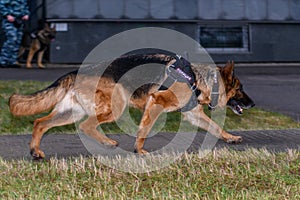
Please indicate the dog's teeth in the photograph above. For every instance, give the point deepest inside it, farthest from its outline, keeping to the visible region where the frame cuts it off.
(239, 109)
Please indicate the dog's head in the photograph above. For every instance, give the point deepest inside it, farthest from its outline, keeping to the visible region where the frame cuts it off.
(49, 32)
(236, 96)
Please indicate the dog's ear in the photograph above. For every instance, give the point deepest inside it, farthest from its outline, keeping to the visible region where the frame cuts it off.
(227, 72)
(46, 26)
(232, 65)
(53, 26)
(228, 69)
(219, 68)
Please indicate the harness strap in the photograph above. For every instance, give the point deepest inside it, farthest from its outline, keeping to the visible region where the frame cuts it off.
(167, 83)
(181, 71)
(215, 92)
(192, 103)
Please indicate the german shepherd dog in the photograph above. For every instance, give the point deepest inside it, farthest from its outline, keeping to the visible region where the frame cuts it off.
(38, 44)
(70, 102)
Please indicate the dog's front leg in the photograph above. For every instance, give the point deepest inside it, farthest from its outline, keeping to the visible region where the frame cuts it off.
(21, 52)
(198, 118)
(35, 46)
(40, 59)
(162, 101)
(152, 112)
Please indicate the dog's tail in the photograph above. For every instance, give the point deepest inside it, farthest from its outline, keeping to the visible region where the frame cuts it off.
(44, 100)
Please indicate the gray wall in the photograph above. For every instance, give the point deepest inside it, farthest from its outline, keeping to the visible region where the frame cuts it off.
(269, 42)
(274, 25)
(72, 46)
(175, 9)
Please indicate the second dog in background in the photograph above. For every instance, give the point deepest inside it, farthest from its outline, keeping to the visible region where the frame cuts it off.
(39, 43)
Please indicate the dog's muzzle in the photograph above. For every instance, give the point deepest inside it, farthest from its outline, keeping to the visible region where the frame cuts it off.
(235, 107)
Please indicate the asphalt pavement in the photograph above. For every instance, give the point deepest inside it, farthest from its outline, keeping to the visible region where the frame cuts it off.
(273, 87)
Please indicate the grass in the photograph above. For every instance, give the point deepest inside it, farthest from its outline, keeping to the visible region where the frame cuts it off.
(252, 119)
(222, 174)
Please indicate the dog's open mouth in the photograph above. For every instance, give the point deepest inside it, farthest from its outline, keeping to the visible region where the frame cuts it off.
(235, 107)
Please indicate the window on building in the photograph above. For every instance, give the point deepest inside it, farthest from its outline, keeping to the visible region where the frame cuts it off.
(224, 39)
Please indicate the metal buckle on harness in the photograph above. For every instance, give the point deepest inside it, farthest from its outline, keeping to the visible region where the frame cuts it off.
(215, 77)
(193, 87)
(214, 100)
(178, 56)
(168, 68)
(211, 107)
(170, 74)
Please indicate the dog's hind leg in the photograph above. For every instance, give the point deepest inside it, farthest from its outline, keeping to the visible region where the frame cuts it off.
(110, 104)
(89, 127)
(41, 125)
(21, 52)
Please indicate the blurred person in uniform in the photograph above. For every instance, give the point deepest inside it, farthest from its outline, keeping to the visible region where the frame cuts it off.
(14, 13)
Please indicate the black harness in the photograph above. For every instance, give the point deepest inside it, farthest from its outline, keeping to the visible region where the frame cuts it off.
(181, 71)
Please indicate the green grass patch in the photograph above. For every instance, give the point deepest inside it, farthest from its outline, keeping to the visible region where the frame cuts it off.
(222, 174)
(253, 119)
(258, 119)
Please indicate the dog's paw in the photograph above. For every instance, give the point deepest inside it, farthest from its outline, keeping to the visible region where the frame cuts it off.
(110, 142)
(141, 152)
(234, 140)
(37, 154)
(41, 66)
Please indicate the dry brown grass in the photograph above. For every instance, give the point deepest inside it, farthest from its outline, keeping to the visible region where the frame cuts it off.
(222, 174)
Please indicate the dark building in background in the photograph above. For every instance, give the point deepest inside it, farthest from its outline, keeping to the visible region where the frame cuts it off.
(240, 30)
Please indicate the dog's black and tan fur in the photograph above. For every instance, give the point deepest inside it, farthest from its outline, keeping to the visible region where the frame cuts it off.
(70, 102)
(38, 45)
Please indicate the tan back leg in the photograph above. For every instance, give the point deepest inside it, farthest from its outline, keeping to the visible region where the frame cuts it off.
(89, 127)
(43, 124)
(21, 52)
(110, 104)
